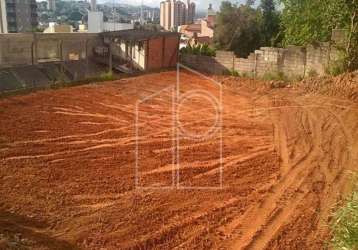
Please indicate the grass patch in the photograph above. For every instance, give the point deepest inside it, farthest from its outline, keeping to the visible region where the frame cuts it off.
(274, 76)
(231, 72)
(344, 225)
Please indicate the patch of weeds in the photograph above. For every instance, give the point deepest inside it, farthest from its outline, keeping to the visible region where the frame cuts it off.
(344, 224)
(231, 72)
(312, 73)
(274, 76)
(336, 68)
(108, 76)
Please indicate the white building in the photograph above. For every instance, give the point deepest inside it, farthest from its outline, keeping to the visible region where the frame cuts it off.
(93, 5)
(97, 25)
(51, 5)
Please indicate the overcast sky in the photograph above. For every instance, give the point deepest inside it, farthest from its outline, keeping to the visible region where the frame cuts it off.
(202, 4)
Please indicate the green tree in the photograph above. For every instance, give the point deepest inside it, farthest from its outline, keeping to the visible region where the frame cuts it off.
(352, 39)
(238, 28)
(308, 21)
(270, 23)
(303, 22)
(75, 16)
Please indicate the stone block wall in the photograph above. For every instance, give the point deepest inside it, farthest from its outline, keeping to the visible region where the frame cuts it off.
(293, 61)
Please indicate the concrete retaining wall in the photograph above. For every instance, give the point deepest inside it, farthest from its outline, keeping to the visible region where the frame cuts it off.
(29, 49)
(293, 61)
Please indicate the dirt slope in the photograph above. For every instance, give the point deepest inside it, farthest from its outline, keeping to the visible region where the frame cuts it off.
(68, 175)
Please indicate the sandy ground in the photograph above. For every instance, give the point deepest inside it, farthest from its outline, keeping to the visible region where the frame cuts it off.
(69, 178)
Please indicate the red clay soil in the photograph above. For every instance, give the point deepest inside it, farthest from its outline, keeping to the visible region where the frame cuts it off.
(68, 169)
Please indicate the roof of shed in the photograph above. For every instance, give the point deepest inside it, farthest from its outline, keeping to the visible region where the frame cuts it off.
(138, 35)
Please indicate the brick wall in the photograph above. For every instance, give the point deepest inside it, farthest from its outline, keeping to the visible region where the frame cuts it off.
(162, 52)
(155, 53)
(293, 61)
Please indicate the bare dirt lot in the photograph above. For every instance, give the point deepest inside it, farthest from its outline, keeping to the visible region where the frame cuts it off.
(68, 166)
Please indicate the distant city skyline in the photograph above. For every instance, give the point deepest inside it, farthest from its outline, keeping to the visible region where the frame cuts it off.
(201, 4)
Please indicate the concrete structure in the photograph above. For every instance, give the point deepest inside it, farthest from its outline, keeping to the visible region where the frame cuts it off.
(3, 17)
(175, 13)
(167, 15)
(93, 5)
(143, 50)
(18, 16)
(35, 48)
(58, 28)
(111, 26)
(190, 12)
(95, 21)
(162, 14)
(293, 61)
(51, 5)
(37, 60)
(96, 24)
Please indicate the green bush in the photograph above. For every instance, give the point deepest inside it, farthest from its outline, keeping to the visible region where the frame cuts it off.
(231, 72)
(274, 76)
(199, 49)
(108, 76)
(336, 67)
(345, 223)
(312, 73)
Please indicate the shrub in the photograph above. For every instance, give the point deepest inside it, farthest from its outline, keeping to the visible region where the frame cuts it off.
(312, 73)
(345, 223)
(274, 76)
(231, 72)
(108, 76)
(199, 49)
(336, 68)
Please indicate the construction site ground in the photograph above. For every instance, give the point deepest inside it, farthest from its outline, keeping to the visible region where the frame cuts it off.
(153, 162)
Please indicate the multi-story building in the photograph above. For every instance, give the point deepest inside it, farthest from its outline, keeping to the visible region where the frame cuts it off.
(93, 5)
(162, 14)
(167, 15)
(190, 12)
(51, 5)
(18, 16)
(174, 13)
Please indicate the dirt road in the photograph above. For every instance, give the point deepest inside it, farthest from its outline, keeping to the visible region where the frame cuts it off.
(70, 160)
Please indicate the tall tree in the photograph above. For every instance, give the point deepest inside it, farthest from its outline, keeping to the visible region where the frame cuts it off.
(238, 28)
(303, 22)
(270, 23)
(307, 21)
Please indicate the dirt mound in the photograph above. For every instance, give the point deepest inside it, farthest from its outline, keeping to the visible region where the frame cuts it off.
(344, 86)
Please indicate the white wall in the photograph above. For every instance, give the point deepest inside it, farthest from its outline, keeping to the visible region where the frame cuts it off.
(117, 26)
(95, 21)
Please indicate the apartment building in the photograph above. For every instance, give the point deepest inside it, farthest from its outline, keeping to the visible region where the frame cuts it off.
(51, 5)
(174, 13)
(93, 5)
(18, 16)
(190, 12)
